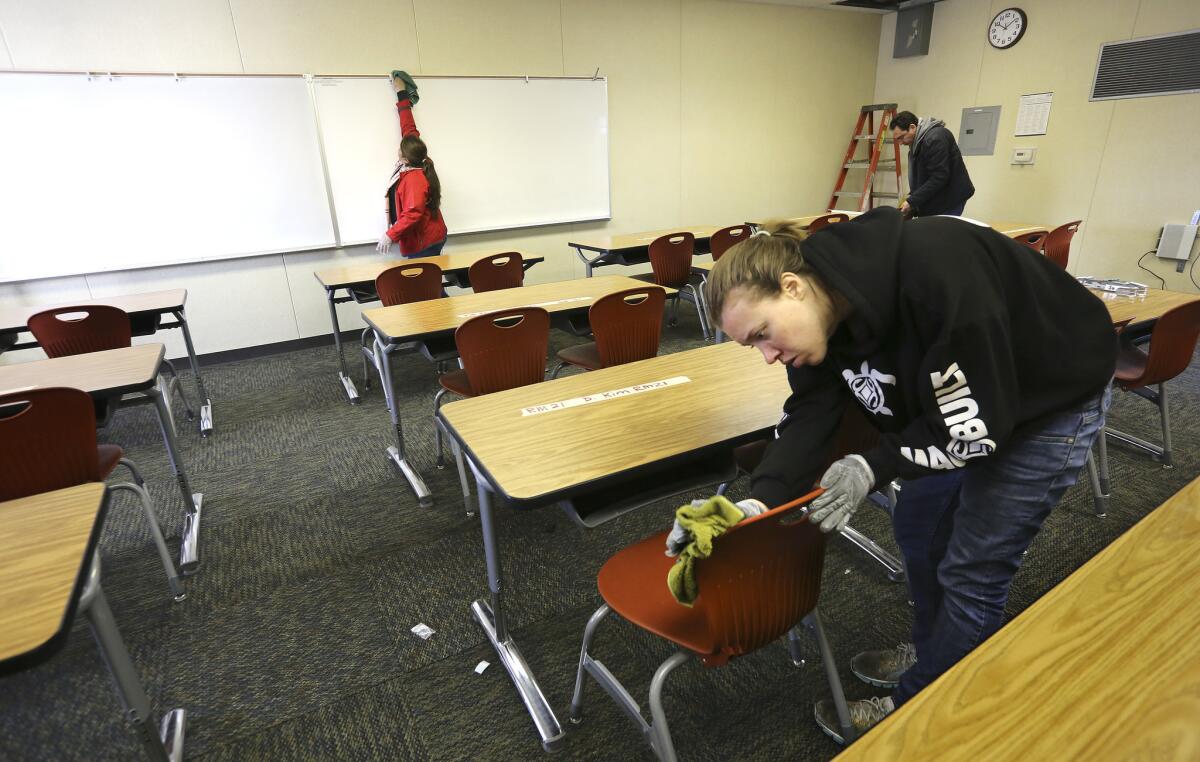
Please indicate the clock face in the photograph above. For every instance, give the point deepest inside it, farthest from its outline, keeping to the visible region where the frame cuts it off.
(1006, 29)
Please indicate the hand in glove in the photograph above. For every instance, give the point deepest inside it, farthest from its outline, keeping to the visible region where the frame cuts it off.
(846, 485)
(385, 244)
(680, 538)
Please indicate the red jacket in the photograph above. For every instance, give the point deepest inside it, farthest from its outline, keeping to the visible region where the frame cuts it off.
(411, 223)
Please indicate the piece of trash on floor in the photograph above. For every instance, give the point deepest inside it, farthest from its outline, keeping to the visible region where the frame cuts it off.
(480, 667)
(423, 631)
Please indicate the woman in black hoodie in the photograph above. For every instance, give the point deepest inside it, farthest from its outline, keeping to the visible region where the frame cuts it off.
(986, 369)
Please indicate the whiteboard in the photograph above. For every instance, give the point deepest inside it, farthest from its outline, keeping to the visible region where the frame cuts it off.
(510, 152)
(117, 173)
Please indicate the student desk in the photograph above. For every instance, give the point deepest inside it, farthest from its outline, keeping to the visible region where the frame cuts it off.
(110, 374)
(1135, 309)
(145, 310)
(803, 220)
(49, 568)
(362, 275)
(1101, 667)
(402, 323)
(632, 248)
(610, 440)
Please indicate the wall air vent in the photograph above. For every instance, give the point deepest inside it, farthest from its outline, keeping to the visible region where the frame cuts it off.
(1168, 64)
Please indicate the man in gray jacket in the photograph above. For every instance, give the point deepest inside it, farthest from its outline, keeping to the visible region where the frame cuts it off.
(937, 178)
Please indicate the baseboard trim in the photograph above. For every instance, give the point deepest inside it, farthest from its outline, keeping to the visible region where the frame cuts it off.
(351, 337)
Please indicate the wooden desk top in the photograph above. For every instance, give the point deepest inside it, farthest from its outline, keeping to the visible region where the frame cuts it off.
(15, 318)
(803, 220)
(405, 322)
(46, 542)
(108, 373)
(367, 272)
(1013, 229)
(607, 243)
(1102, 667)
(536, 456)
(1137, 308)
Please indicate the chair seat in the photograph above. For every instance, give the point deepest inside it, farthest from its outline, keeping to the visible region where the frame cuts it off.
(110, 456)
(1131, 364)
(583, 355)
(456, 381)
(634, 583)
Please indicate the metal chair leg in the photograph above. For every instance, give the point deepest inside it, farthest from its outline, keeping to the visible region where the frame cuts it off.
(722, 487)
(795, 650)
(813, 620)
(589, 633)
(1166, 426)
(462, 475)
(558, 369)
(133, 471)
(367, 362)
(665, 747)
(176, 385)
(156, 531)
(437, 429)
(1099, 496)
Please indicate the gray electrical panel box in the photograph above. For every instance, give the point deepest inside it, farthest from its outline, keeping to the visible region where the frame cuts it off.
(977, 134)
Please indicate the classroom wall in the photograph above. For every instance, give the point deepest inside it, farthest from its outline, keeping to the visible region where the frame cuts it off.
(1125, 167)
(718, 112)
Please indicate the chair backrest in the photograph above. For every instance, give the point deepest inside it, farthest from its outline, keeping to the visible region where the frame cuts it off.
(1172, 344)
(1058, 243)
(1035, 240)
(77, 330)
(47, 441)
(505, 349)
(721, 240)
(408, 283)
(671, 259)
(627, 324)
(493, 273)
(763, 577)
(827, 219)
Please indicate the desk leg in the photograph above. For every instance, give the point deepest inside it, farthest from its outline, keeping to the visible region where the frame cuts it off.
(206, 416)
(189, 546)
(490, 616)
(167, 743)
(384, 354)
(343, 376)
(588, 264)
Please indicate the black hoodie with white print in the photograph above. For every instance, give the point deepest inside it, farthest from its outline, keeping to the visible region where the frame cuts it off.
(960, 339)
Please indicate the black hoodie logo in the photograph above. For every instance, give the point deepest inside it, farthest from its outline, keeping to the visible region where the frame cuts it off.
(868, 388)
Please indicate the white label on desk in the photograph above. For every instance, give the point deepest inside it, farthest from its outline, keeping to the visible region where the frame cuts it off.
(539, 304)
(588, 399)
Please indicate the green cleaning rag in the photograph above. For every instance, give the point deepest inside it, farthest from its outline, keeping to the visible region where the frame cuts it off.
(409, 84)
(705, 522)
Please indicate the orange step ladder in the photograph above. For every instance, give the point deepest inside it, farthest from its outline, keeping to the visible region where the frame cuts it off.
(865, 130)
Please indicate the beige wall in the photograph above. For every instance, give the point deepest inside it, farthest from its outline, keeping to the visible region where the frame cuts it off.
(1125, 167)
(718, 111)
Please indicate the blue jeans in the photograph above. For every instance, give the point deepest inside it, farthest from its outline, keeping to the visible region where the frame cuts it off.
(963, 534)
(431, 250)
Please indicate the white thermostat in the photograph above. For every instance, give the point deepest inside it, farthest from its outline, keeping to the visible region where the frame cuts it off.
(1023, 155)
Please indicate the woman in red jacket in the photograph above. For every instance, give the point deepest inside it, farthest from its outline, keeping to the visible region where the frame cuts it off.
(414, 192)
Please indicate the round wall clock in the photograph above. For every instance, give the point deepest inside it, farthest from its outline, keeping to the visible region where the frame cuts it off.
(1007, 28)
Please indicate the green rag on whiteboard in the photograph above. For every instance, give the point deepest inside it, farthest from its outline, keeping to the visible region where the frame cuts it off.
(706, 523)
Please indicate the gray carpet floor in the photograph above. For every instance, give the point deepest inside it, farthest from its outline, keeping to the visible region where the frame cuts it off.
(294, 642)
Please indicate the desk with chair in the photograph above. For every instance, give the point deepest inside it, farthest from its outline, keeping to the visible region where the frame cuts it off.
(631, 248)
(604, 443)
(145, 316)
(404, 323)
(803, 220)
(49, 569)
(360, 278)
(1101, 667)
(113, 373)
